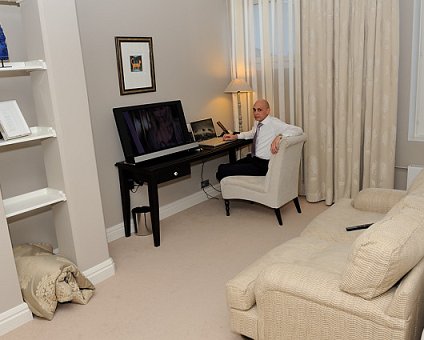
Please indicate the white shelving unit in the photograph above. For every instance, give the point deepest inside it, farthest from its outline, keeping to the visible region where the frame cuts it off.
(60, 104)
(31, 201)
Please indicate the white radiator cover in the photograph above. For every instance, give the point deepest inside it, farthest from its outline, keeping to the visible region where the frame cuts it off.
(413, 171)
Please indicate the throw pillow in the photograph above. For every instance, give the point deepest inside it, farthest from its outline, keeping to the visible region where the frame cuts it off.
(377, 199)
(386, 251)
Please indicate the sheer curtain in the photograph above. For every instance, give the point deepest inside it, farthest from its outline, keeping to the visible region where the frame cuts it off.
(263, 53)
(331, 67)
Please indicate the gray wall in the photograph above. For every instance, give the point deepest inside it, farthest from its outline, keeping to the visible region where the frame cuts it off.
(191, 56)
(407, 153)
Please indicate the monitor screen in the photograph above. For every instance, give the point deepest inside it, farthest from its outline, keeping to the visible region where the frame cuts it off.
(152, 130)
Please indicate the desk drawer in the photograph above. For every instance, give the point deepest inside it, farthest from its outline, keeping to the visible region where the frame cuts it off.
(172, 172)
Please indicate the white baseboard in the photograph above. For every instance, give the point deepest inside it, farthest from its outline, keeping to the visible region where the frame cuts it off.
(115, 232)
(14, 317)
(100, 272)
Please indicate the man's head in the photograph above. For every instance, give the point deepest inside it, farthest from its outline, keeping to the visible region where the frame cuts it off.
(261, 110)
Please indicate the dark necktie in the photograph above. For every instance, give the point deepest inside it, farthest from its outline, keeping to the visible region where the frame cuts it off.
(254, 139)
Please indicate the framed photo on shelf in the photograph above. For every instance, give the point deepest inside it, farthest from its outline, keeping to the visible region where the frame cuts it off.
(12, 122)
(136, 68)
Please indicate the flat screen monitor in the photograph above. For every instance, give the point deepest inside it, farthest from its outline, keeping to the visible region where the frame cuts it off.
(152, 130)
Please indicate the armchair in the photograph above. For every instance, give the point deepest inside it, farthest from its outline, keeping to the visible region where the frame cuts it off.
(279, 186)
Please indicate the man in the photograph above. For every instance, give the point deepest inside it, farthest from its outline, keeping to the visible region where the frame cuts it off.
(266, 133)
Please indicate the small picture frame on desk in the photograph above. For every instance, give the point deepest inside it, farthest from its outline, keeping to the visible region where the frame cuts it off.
(136, 68)
(12, 122)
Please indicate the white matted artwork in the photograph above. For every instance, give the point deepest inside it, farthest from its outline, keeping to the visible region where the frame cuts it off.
(12, 122)
(135, 64)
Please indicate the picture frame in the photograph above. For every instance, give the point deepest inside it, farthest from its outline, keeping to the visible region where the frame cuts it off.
(136, 70)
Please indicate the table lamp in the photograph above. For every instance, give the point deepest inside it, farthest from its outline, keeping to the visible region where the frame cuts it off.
(238, 85)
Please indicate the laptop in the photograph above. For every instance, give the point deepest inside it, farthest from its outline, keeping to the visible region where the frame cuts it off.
(204, 133)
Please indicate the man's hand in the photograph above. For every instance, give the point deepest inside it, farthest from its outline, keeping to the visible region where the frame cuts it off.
(275, 145)
(228, 136)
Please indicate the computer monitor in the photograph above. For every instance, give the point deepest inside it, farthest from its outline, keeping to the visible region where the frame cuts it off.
(152, 130)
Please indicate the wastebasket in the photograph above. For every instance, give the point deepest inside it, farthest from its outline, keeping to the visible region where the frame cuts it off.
(142, 221)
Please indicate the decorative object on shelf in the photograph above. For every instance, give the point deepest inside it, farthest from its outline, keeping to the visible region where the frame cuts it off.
(238, 86)
(4, 54)
(136, 68)
(12, 122)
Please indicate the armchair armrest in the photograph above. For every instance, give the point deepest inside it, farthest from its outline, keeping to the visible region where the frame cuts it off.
(377, 199)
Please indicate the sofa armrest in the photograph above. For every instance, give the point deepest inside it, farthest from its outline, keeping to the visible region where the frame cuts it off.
(305, 303)
(409, 295)
(377, 199)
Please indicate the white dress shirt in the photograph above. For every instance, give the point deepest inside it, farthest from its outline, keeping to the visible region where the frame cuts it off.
(271, 128)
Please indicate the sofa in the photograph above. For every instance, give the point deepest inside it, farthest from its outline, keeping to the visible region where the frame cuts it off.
(330, 283)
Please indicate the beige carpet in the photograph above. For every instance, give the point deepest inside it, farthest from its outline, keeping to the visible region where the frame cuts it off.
(175, 291)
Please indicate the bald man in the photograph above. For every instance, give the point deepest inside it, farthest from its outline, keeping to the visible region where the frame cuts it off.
(266, 133)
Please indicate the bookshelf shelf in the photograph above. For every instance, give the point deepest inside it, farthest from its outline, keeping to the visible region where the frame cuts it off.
(37, 133)
(22, 67)
(31, 201)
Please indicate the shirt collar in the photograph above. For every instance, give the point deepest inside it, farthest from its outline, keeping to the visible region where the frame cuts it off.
(265, 121)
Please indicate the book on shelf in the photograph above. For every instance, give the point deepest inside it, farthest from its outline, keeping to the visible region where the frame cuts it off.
(12, 122)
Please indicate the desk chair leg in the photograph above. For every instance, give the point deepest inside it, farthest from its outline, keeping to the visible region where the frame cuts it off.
(297, 204)
(278, 214)
(227, 207)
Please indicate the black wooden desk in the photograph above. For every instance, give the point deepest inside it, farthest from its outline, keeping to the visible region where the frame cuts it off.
(156, 171)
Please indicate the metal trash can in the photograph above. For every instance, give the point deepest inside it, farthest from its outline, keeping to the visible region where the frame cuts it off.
(142, 221)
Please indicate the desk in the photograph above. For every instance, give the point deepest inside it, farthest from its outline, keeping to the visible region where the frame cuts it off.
(160, 170)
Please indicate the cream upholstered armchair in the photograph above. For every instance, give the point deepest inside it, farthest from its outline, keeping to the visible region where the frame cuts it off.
(279, 186)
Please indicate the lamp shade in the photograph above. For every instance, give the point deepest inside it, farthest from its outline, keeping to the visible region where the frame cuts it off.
(238, 85)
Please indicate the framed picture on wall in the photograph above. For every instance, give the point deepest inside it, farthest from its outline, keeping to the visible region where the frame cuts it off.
(136, 68)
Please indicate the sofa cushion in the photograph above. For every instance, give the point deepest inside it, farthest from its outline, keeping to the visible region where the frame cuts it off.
(377, 199)
(386, 251)
(331, 224)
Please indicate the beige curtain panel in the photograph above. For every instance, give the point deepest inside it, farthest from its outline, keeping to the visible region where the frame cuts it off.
(346, 94)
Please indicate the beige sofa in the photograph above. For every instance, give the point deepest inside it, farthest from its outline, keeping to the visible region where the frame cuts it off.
(333, 284)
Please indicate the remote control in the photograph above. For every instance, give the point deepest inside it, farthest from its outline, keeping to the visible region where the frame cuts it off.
(358, 227)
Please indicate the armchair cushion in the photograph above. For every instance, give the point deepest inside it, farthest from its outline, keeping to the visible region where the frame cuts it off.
(385, 252)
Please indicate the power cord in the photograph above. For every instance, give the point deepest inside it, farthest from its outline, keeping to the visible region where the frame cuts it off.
(209, 196)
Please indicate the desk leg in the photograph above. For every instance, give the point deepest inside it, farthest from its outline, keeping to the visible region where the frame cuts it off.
(125, 201)
(232, 156)
(154, 212)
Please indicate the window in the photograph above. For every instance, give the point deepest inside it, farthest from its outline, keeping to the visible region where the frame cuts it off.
(285, 32)
(416, 110)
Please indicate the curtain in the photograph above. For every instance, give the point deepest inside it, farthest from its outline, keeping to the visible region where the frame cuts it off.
(331, 67)
(262, 53)
(346, 94)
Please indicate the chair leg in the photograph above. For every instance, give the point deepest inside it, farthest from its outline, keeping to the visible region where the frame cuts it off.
(278, 214)
(297, 204)
(227, 207)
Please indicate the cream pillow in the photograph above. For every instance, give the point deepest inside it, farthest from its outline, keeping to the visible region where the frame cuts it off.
(386, 251)
(377, 199)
